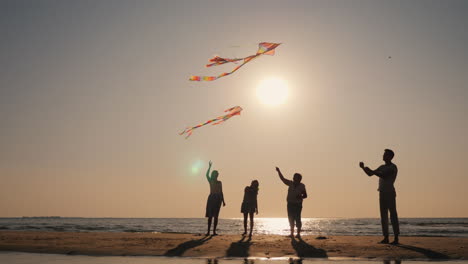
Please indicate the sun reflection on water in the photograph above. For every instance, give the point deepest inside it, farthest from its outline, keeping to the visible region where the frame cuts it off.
(269, 226)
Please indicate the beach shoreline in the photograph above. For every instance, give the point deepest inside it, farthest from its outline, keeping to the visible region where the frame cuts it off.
(235, 246)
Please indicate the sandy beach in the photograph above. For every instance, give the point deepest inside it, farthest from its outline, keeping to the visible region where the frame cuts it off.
(197, 245)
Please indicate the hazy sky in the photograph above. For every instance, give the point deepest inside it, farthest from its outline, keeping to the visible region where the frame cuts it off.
(94, 93)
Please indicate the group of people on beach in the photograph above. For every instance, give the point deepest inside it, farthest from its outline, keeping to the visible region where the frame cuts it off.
(387, 174)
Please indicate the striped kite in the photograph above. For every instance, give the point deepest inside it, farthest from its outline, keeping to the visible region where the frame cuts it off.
(216, 121)
(263, 48)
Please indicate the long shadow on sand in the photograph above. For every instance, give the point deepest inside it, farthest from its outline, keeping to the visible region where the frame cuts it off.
(295, 261)
(304, 249)
(239, 248)
(427, 252)
(180, 249)
(388, 261)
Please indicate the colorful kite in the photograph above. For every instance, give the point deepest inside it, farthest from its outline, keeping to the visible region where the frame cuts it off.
(263, 48)
(220, 119)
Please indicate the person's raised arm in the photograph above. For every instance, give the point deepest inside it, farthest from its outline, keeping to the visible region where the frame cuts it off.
(285, 181)
(383, 172)
(368, 171)
(208, 171)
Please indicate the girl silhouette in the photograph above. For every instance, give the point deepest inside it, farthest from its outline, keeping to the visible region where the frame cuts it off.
(249, 205)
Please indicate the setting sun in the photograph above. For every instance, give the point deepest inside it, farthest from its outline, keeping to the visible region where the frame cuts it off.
(272, 91)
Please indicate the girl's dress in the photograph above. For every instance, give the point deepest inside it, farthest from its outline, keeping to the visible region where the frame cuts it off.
(249, 204)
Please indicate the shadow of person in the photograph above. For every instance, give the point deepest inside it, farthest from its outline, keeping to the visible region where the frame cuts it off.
(295, 261)
(239, 248)
(426, 252)
(248, 261)
(304, 249)
(212, 261)
(387, 261)
(180, 249)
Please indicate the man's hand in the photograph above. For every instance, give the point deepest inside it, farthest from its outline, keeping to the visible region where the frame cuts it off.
(256, 211)
(224, 204)
(368, 171)
(210, 163)
(277, 169)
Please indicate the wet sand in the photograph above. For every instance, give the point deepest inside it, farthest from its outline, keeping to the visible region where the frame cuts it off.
(197, 245)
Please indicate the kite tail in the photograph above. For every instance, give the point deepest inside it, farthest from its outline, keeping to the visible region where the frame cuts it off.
(183, 132)
(212, 78)
(233, 111)
(187, 131)
(219, 61)
(264, 48)
(202, 78)
(224, 118)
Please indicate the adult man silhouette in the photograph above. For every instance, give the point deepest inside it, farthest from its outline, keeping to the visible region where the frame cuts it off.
(387, 174)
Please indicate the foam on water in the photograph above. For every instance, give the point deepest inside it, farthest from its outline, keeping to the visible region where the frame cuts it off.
(456, 227)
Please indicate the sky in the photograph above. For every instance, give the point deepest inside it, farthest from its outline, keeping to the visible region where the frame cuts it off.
(93, 95)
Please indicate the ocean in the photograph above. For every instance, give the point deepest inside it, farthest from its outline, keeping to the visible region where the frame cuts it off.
(447, 227)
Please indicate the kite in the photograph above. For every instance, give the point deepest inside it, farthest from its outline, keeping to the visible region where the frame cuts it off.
(263, 48)
(216, 121)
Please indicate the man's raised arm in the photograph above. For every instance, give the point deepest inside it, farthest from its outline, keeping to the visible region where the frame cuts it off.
(285, 181)
(368, 171)
(383, 172)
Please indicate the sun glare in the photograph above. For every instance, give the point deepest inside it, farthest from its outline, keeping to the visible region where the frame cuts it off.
(272, 91)
(196, 167)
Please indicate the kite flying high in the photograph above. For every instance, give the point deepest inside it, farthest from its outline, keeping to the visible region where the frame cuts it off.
(263, 48)
(216, 121)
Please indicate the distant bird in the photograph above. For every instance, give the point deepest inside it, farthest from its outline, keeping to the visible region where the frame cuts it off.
(389, 57)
